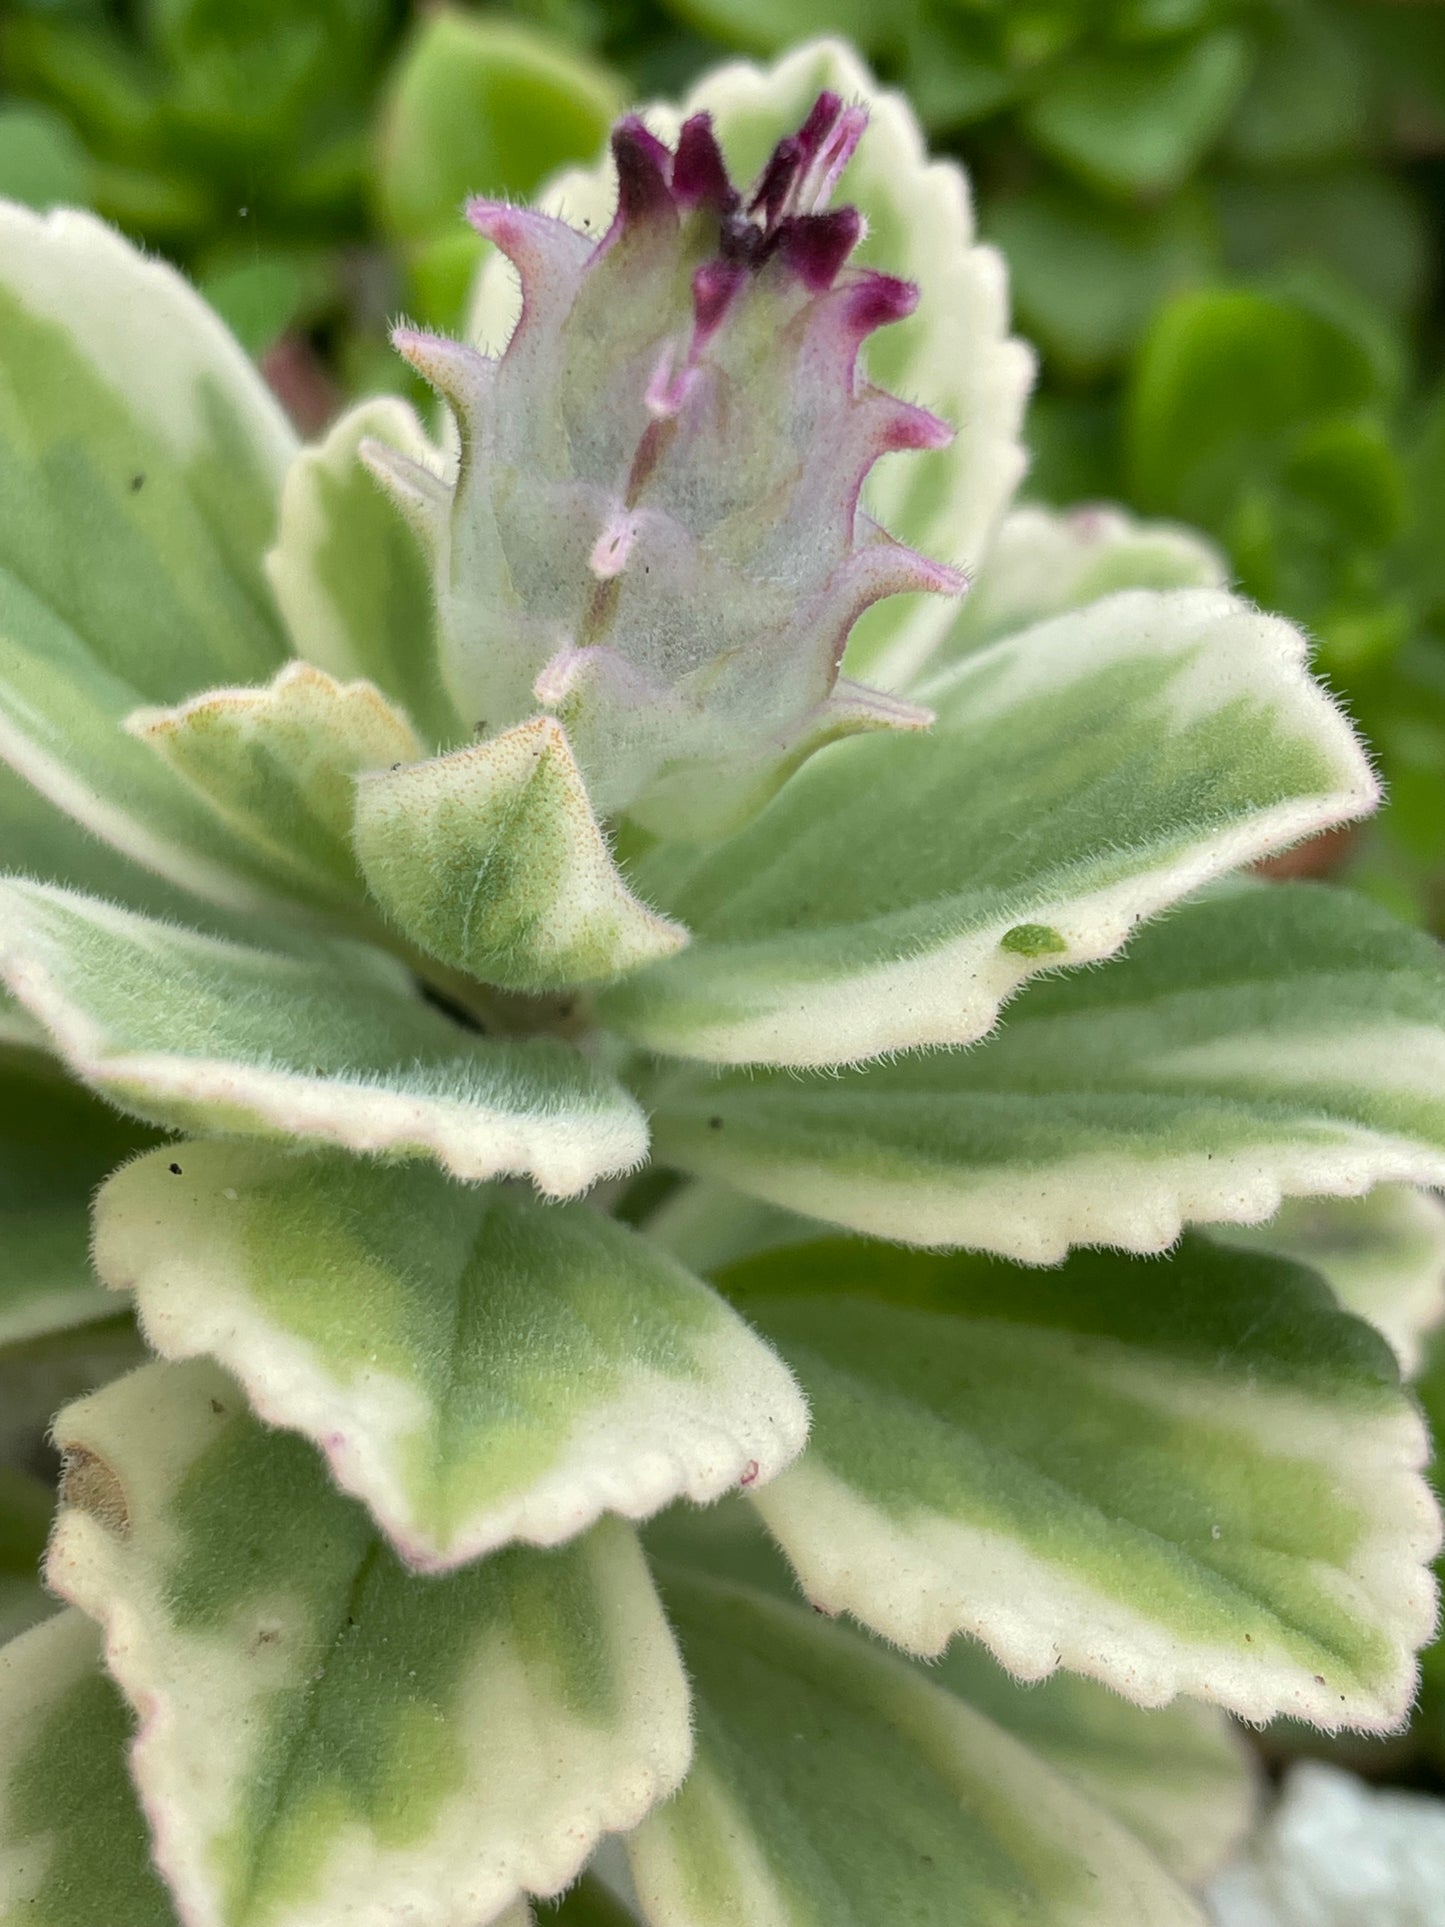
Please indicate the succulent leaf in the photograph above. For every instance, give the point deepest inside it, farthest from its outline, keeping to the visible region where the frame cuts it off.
(74, 1845)
(1182, 1777)
(406, 902)
(1188, 1475)
(655, 532)
(1263, 1042)
(831, 1777)
(322, 1729)
(476, 1366)
(1082, 776)
(327, 1043)
(1382, 1255)
(1043, 562)
(353, 583)
(127, 411)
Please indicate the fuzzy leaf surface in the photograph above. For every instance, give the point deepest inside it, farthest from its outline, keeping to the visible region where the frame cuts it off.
(278, 766)
(1382, 1255)
(1044, 562)
(196, 1033)
(1182, 1475)
(477, 1366)
(1081, 777)
(1180, 1777)
(327, 1735)
(73, 1843)
(56, 1144)
(141, 458)
(492, 860)
(1262, 1042)
(40, 841)
(351, 577)
(831, 1777)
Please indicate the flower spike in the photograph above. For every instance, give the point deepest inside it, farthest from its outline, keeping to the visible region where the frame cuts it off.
(655, 530)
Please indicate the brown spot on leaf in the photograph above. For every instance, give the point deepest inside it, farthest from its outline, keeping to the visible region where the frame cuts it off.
(89, 1484)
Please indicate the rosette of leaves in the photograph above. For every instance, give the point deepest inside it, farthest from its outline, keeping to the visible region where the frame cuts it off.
(575, 1045)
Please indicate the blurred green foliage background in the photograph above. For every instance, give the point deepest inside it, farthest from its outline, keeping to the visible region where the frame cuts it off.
(1223, 220)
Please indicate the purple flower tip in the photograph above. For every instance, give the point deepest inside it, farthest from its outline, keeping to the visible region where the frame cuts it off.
(785, 215)
(815, 246)
(699, 172)
(644, 171)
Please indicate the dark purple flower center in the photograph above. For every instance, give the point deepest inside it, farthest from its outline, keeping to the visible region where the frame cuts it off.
(785, 216)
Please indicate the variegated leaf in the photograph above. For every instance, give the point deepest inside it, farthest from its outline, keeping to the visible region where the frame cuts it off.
(74, 1850)
(1188, 1475)
(953, 355)
(38, 840)
(477, 1366)
(492, 860)
(56, 1144)
(278, 766)
(832, 1779)
(1043, 562)
(706, 1225)
(1180, 1777)
(349, 575)
(141, 459)
(196, 1033)
(327, 1736)
(1081, 777)
(1264, 1041)
(1383, 1256)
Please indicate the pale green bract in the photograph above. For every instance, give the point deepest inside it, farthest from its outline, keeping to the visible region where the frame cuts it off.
(865, 1099)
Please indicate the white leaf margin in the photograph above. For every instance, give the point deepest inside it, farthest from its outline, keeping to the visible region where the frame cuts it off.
(471, 1140)
(737, 1423)
(953, 993)
(923, 1581)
